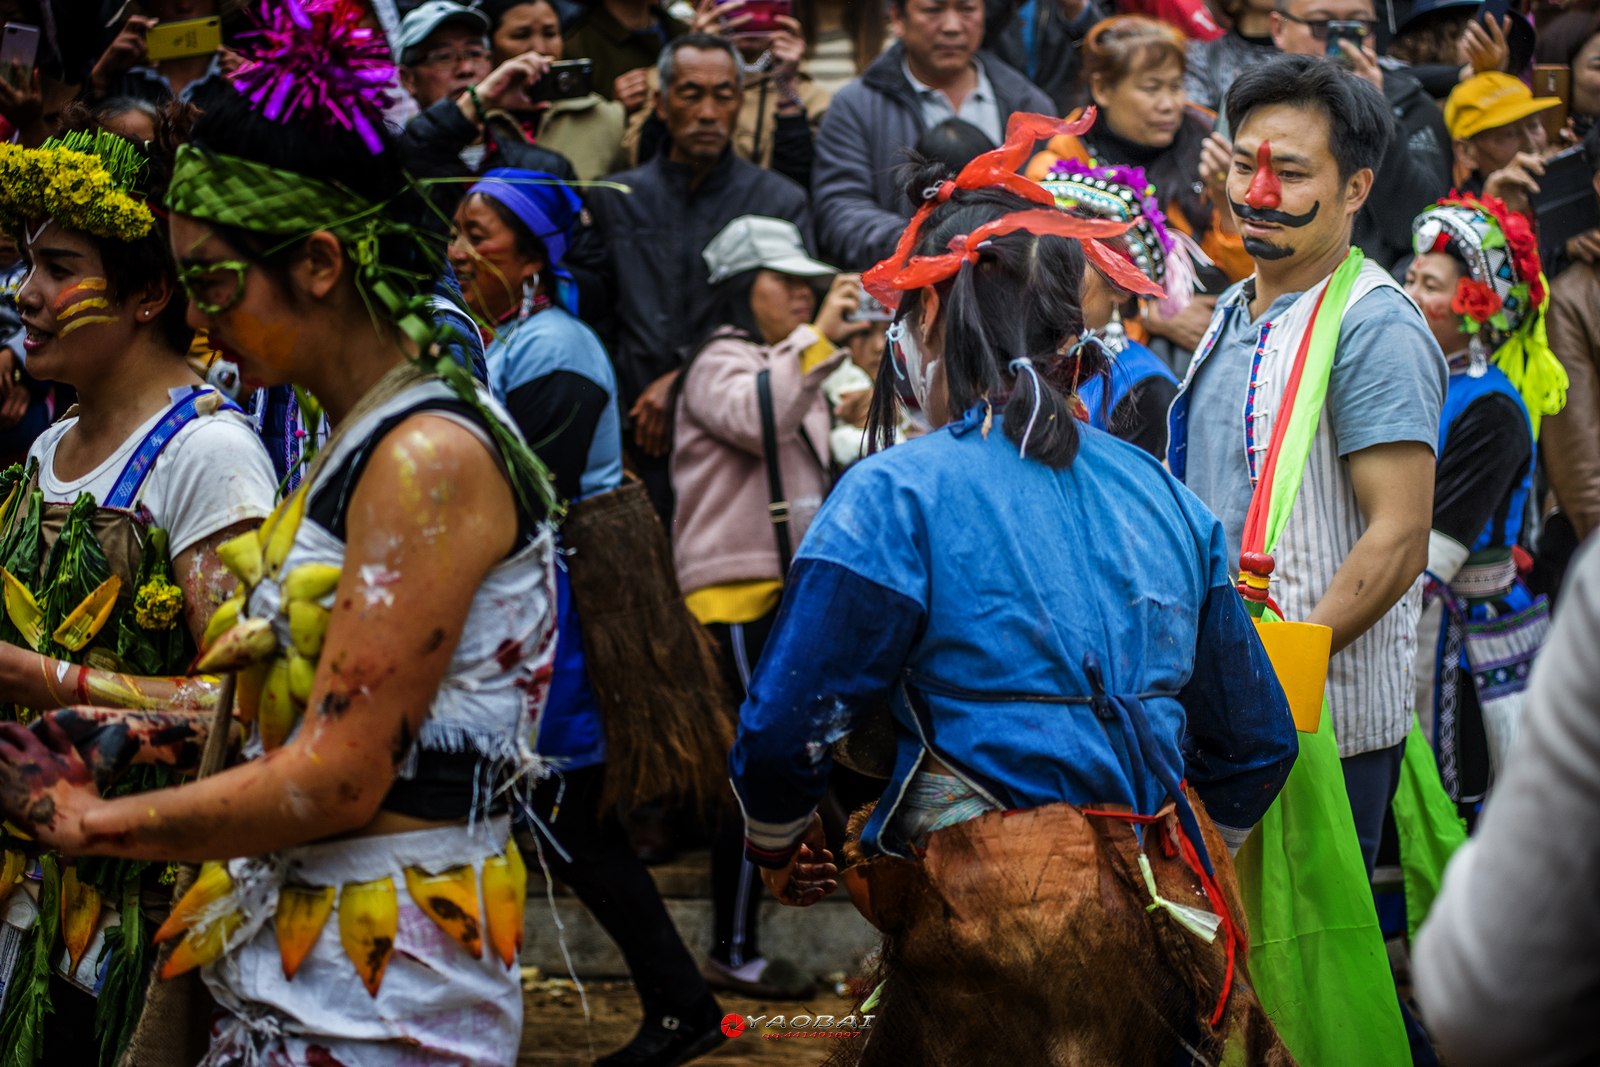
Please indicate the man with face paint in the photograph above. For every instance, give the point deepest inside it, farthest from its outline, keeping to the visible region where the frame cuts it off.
(1346, 524)
(1415, 169)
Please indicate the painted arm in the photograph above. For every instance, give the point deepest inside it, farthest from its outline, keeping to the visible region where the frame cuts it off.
(433, 514)
(110, 740)
(40, 682)
(1394, 489)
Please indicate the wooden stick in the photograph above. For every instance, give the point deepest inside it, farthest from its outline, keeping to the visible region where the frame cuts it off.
(216, 750)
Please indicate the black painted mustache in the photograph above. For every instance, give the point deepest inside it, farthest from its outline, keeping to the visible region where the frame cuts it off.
(1277, 218)
(1260, 249)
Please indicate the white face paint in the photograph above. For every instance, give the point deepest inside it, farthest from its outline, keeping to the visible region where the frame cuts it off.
(919, 369)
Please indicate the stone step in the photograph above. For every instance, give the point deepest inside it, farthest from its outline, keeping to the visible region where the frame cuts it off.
(825, 938)
(688, 876)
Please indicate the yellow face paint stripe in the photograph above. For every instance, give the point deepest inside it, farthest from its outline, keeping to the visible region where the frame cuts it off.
(87, 320)
(78, 291)
(95, 284)
(82, 306)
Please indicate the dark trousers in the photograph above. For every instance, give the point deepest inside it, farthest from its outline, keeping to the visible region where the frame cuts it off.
(617, 889)
(656, 474)
(1371, 778)
(735, 882)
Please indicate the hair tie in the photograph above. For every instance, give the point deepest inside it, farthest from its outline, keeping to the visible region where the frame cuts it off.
(1018, 365)
(1084, 338)
(939, 193)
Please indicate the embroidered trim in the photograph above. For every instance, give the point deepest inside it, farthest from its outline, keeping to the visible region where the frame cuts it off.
(1480, 581)
(1250, 413)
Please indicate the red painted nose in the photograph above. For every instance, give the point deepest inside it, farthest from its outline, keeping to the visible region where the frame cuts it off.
(1264, 191)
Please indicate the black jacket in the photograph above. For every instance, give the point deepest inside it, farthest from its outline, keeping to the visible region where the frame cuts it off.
(648, 255)
(435, 138)
(866, 137)
(1415, 171)
(1058, 46)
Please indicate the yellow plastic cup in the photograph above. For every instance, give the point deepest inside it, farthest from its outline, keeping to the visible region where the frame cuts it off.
(1299, 653)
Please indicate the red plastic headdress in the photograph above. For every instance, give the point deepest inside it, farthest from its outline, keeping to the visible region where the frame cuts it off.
(930, 270)
(900, 272)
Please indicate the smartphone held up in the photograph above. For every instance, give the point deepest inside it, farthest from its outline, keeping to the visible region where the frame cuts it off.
(1354, 32)
(764, 15)
(18, 47)
(179, 40)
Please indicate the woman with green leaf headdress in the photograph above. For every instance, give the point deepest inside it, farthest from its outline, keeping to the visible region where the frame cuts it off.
(108, 555)
(395, 628)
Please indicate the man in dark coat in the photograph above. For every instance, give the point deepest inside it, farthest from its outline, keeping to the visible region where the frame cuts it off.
(935, 72)
(648, 253)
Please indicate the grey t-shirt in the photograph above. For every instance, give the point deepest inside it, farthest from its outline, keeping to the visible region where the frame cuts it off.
(1388, 384)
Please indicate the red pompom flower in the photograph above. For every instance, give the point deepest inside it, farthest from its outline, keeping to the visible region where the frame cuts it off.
(1474, 299)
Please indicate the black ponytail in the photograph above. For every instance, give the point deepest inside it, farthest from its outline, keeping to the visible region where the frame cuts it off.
(1019, 301)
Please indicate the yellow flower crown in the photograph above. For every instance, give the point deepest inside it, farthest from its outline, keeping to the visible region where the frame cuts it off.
(80, 181)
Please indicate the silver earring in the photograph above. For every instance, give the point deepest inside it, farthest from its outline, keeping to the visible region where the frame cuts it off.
(1477, 358)
(1114, 338)
(527, 298)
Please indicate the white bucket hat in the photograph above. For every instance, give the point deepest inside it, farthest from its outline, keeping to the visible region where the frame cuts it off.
(752, 241)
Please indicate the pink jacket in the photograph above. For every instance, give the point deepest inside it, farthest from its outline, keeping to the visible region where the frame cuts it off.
(722, 530)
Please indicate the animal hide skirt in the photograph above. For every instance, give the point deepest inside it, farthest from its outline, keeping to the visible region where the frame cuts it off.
(1033, 938)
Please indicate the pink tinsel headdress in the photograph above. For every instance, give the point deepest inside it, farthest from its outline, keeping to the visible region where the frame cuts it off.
(313, 59)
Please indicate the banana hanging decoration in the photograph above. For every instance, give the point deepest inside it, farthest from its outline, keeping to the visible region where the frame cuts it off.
(11, 870)
(24, 610)
(450, 899)
(274, 683)
(302, 913)
(369, 917)
(195, 916)
(505, 893)
(89, 617)
(80, 909)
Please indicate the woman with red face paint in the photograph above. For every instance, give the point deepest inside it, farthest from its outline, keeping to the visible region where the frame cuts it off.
(110, 545)
(1479, 285)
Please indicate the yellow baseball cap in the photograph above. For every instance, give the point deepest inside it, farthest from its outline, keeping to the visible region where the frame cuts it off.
(1490, 100)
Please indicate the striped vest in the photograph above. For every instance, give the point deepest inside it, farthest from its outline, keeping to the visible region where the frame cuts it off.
(1369, 683)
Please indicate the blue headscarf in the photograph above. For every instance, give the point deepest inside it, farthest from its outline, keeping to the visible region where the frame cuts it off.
(547, 207)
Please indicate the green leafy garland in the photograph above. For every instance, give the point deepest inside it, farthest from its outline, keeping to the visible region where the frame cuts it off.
(116, 1008)
(143, 637)
(28, 998)
(77, 567)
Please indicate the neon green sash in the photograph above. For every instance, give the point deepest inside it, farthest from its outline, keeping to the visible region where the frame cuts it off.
(1317, 957)
(1429, 827)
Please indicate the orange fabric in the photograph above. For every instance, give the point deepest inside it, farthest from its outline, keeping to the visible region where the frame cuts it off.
(1226, 250)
